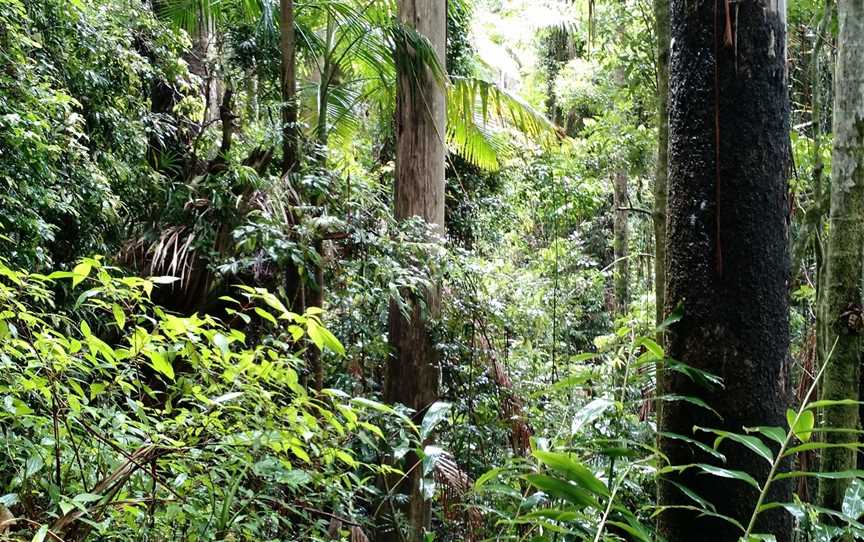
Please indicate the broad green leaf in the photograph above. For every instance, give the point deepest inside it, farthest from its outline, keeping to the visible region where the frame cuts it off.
(119, 315)
(160, 362)
(265, 315)
(822, 446)
(589, 413)
(651, 346)
(34, 464)
(638, 534)
(436, 413)
(853, 501)
(222, 343)
(675, 316)
(671, 398)
(486, 476)
(801, 425)
(40, 534)
(563, 490)
(573, 470)
(431, 456)
(80, 272)
(831, 475)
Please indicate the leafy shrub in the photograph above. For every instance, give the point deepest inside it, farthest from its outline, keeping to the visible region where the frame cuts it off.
(117, 415)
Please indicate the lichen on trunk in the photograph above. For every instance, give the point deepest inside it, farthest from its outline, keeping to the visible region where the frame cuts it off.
(840, 332)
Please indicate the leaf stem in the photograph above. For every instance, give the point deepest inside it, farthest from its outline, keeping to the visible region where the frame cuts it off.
(789, 435)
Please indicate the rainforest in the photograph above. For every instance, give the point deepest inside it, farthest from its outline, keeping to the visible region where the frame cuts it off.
(431, 270)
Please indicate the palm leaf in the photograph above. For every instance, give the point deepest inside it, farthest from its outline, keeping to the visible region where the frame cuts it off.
(478, 110)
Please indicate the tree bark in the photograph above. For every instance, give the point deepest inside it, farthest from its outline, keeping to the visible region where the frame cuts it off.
(202, 62)
(728, 256)
(621, 242)
(413, 374)
(288, 81)
(294, 282)
(661, 174)
(842, 302)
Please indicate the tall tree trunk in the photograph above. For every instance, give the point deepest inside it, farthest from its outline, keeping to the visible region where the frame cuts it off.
(288, 81)
(294, 283)
(661, 17)
(728, 256)
(202, 62)
(842, 326)
(315, 288)
(412, 375)
(621, 242)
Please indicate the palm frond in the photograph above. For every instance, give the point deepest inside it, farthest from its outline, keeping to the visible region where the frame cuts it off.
(478, 109)
(474, 142)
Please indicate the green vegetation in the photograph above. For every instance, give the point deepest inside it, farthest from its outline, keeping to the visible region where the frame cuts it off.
(421, 271)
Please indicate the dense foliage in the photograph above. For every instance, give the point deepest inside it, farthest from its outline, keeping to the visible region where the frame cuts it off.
(157, 378)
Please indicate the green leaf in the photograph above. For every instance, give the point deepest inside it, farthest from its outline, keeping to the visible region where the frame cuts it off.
(651, 346)
(801, 424)
(80, 272)
(221, 342)
(777, 434)
(702, 446)
(34, 464)
(675, 316)
(754, 444)
(160, 362)
(486, 476)
(829, 475)
(589, 413)
(692, 495)
(815, 445)
(671, 398)
(266, 315)
(563, 490)
(853, 501)
(573, 470)
(40, 534)
(833, 402)
(434, 415)
(119, 315)
(728, 473)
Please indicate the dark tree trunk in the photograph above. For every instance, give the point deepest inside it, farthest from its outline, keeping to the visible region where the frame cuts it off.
(413, 374)
(728, 257)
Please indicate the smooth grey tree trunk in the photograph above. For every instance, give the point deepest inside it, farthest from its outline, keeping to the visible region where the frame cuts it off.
(843, 323)
(728, 255)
